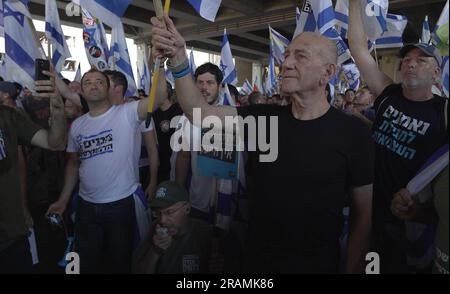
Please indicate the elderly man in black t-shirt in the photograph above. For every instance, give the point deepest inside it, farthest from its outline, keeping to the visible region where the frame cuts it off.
(409, 127)
(324, 155)
(16, 128)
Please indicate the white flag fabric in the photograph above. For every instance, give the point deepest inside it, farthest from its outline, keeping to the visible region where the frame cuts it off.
(392, 38)
(246, 88)
(426, 32)
(206, 8)
(278, 45)
(352, 76)
(20, 43)
(95, 43)
(143, 70)
(78, 74)
(318, 16)
(437, 162)
(226, 62)
(120, 58)
(108, 11)
(55, 35)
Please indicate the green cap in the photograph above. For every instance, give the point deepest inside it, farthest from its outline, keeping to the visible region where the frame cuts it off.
(167, 194)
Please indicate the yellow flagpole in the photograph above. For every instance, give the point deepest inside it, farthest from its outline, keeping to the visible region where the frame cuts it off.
(151, 100)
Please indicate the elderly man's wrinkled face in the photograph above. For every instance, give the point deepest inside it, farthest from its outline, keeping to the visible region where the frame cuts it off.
(304, 69)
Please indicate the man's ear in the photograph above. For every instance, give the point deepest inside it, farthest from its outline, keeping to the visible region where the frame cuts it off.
(188, 209)
(329, 72)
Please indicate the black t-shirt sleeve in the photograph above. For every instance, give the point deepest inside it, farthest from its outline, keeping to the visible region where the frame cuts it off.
(392, 89)
(25, 128)
(361, 163)
(84, 105)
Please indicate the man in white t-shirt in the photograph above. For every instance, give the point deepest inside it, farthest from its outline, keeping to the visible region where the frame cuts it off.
(148, 159)
(102, 155)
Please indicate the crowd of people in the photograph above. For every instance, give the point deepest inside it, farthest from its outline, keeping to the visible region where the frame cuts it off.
(77, 159)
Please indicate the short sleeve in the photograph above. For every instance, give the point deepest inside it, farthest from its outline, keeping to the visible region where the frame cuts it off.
(25, 128)
(131, 112)
(144, 129)
(388, 91)
(71, 145)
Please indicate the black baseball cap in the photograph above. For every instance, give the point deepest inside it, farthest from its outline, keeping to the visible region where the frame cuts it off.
(428, 50)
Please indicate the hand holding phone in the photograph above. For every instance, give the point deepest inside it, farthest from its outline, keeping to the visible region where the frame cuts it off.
(41, 65)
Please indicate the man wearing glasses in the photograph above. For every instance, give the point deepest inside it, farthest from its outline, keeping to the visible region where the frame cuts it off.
(178, 244)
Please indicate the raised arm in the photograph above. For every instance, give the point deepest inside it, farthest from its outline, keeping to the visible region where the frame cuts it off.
(357, 39)
(169, 43)
(66, 93)
(55, 137)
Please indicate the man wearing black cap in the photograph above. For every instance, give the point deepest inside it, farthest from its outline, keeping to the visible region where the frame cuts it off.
(410, 125)
(178, 244)
(8, 94)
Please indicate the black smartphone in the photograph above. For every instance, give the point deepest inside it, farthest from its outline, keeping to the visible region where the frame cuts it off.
(40, 65)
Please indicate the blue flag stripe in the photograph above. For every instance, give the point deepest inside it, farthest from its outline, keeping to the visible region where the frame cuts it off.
(16, 53)
(54, 33)
(325, 17)
(118, 7)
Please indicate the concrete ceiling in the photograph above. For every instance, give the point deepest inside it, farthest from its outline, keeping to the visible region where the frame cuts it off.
(246, 22)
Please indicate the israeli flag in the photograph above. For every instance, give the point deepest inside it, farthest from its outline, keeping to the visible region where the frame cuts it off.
(108, 11)
(226, 62)
(143, 72)
(318, 16)
(445, 75)
(392, 38)
(95, 43)
(443, 19)
(351, 75)
(225, 97)
(192, 65)
(78, 74)
(341, 14)
(426, 33)
(271, 79)
(374, 14)
(20, 43)
(120, 59)
(55, 35)
(434, 165)
(278, 45)
(246, 88)
(2, 23)
(206, 8)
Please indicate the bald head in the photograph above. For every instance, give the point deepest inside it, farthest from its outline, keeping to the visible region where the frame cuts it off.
(321, 45)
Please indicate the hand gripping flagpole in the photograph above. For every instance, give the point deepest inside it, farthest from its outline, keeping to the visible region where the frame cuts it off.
(151, 100)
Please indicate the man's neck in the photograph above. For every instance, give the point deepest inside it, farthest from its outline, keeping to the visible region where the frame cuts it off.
(166, 105)
(309, 106)
(417, 94)
(98, 108)
(117, 100)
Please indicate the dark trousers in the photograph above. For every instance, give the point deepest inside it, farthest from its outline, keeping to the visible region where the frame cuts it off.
(104, 236)
(50, 242)
(16, 259)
